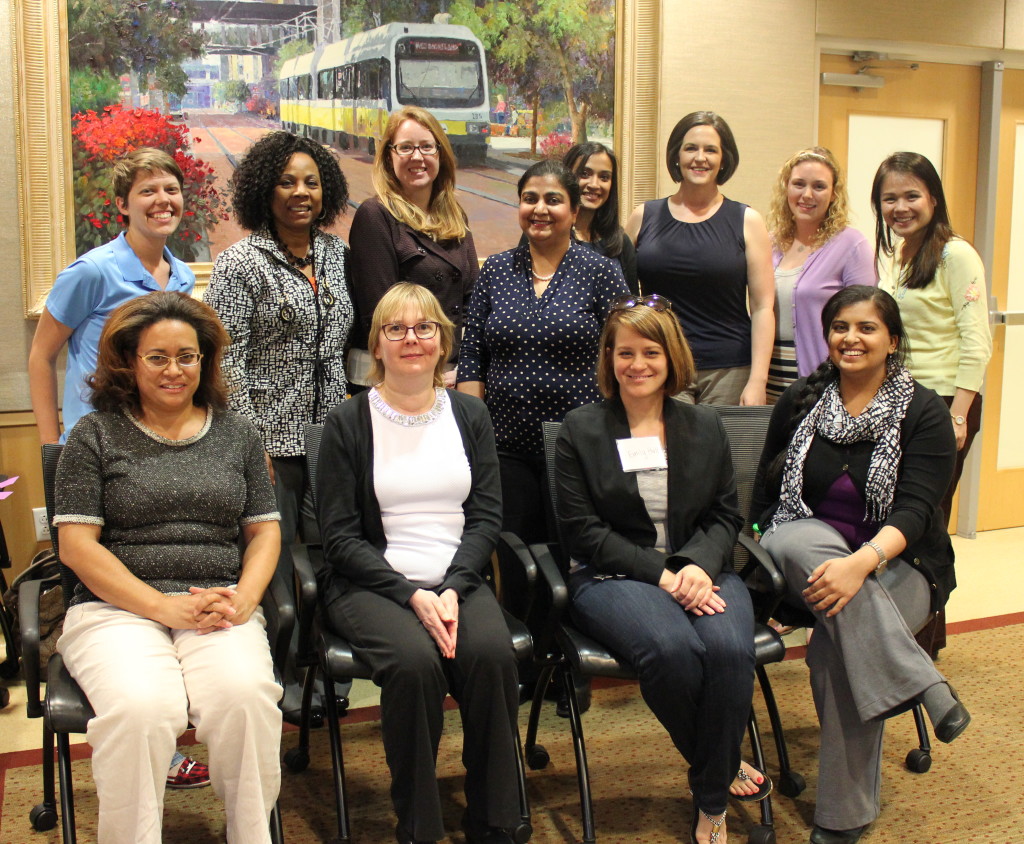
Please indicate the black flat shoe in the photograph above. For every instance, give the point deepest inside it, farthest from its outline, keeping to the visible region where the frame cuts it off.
(820, 835)
(954, 722)
(479, 833)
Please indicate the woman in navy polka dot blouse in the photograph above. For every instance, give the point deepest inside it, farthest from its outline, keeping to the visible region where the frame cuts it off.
(532, 331)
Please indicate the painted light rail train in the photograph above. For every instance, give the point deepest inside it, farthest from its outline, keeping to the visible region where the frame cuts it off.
(343, 92)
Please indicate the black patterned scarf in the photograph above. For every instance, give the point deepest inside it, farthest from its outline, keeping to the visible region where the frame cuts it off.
(879, 423)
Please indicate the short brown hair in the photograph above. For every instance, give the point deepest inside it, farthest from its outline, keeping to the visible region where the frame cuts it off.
(660, 327)
(113, 384)
(397, 298)
(730, 152)
(128, 166)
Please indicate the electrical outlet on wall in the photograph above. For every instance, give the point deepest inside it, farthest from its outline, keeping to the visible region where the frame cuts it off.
(42, 527)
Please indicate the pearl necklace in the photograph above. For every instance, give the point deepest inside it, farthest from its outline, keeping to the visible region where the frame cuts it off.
(379, 403)
(540, 277)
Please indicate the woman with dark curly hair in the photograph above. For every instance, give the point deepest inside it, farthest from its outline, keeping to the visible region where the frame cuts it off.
(282, 294)
(153, 492)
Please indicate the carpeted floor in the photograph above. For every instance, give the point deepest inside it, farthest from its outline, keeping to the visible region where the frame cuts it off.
(972, 795)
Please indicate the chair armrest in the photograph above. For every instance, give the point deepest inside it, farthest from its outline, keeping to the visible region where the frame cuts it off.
(306, 590)
(763, 578)
(517, 575)
(28, 622)
(279, 611)
(551, 597)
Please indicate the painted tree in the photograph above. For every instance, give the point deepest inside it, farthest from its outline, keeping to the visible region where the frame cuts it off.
(145, 37)
(570, 43)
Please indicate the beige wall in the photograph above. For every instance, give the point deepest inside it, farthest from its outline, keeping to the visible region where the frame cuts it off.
(966, 23)
(755, 64)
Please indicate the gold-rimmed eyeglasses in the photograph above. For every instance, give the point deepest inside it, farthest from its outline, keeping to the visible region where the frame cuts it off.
(184, 360)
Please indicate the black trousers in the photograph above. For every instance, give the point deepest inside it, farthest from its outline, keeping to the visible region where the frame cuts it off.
(973, 419)
(414, 679)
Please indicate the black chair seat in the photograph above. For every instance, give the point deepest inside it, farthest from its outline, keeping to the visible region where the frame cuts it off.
(67, 707)
(768, 645)
(522, 641)
(341, 662)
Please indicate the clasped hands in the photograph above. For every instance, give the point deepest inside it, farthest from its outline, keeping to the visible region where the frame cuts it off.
(207, 610)
(693, 590)
(439, 614)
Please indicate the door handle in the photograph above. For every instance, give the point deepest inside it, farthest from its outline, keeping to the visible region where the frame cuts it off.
(1007, 317)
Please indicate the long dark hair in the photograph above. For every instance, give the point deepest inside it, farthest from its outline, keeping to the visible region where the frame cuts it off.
(939, 231)
(889, 312)
(606, 225)
(113, 385)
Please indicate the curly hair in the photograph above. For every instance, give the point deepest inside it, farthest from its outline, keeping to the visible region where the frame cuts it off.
(781, 224)
(939, 231)
(399, 297)
(660, 327)
(447, 219)
(605, 226)
(113, 385)
(889, 312)
(254, 180)
(730, 152)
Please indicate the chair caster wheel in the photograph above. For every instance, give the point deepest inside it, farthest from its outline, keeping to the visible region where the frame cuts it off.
(761, 835)
(316, 718)
(5, 698)
(296, 759)
(537, 757)
(522, 833)
(792, 785)
(342, 703)
(43, 817)
(918, 761)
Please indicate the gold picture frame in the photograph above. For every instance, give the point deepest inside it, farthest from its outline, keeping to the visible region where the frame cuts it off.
(43, 131)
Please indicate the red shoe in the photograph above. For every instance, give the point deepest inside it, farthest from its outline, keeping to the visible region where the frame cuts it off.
(190, 774)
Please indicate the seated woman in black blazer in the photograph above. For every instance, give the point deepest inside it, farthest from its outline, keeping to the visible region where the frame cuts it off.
(410, 509)
(855, 463)
(648, 513)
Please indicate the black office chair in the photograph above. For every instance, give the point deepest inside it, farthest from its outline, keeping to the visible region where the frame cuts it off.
(561, 647)
(330, 656)
(9, 667)
(65, 708)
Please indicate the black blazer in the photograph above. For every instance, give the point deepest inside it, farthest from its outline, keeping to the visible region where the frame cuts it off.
(350, 522)
(385, 252)
(929, 451)
(602, 518)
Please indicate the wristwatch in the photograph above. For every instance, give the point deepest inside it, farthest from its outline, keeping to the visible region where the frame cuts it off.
(883, 561)
(958, 420)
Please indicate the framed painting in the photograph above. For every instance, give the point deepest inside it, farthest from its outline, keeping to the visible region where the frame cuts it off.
(273, 66)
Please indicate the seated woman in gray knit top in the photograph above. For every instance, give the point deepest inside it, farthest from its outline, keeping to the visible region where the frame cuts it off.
(152, 493)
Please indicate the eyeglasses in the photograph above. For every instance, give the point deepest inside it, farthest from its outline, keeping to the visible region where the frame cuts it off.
(423, 330)
(185, 359)
(626, 301)
(406, 148)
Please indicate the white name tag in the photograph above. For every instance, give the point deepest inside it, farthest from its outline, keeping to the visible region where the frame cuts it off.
(639, 453)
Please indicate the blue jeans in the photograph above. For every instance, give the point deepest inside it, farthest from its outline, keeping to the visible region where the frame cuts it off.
(696, 673)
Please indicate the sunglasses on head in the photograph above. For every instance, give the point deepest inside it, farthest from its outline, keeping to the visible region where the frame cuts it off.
(626, 301)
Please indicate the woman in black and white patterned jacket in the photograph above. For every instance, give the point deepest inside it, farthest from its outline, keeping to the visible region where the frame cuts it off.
(282, 293)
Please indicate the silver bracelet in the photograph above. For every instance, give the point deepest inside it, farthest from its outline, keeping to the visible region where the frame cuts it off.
(883, 561)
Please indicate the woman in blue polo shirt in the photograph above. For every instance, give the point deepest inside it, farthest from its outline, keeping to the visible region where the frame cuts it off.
(148, 192)
(148, 187)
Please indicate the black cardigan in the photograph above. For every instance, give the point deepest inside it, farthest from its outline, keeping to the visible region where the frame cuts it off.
(602, 517)
(929, 452)
(350, 522)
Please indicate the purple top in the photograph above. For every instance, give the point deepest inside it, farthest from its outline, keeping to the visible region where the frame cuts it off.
(844, 260)
(843, 508)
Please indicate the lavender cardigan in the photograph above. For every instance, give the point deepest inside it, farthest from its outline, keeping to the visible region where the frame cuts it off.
(844, 260)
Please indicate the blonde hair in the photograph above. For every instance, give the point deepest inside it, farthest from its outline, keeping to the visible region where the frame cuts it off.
(399, 297)
(447, 220)
(781, 224)
(659, 327)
